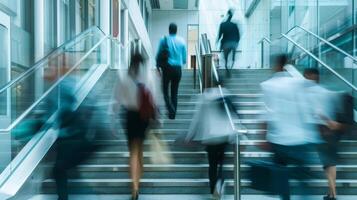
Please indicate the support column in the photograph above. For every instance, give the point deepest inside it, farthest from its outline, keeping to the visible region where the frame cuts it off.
(39, 33)
(125, 38)
(104, 24)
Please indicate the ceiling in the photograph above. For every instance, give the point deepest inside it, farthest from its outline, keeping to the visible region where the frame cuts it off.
(175, 4)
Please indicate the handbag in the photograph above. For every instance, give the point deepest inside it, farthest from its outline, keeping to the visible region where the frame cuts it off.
(157, 148)
(269, 177)
(162, 60)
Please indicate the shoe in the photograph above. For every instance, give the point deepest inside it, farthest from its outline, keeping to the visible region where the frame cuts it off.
(172, 116)
(223, 189)
(215, 195)
(218, 190)
(327, 197)
(135, 197)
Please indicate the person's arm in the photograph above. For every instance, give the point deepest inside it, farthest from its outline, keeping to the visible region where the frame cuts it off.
(220, 33)
(184, 54)
(157, 56)
(159, 49)
(238, 33)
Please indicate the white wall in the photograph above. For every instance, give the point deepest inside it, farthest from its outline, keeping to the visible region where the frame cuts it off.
(255, 28)
(138, 25)
(161, 20)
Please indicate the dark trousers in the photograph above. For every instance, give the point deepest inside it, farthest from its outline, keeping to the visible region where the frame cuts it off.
(70, 153)
(228, 48)
(216, 161)
(171, 78)
(299, 155)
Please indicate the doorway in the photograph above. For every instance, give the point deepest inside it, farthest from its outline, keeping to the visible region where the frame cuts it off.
(192, 41)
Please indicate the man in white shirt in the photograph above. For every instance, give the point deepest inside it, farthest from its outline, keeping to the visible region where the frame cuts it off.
(289, 134)
(325, 106)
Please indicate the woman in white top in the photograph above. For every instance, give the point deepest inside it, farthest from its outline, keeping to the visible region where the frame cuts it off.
(128, 96)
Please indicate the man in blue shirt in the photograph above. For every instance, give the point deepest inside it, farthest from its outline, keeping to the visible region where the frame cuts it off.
(171, 73)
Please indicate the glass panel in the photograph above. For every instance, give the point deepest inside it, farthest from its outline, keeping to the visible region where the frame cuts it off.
(50, 25)
(302, 60)
(4, 66)
(192, 42)
(72, 65)
(334, 16)
(334, 58)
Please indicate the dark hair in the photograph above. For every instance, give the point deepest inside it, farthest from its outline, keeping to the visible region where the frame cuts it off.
(281, 60)
(312, 71)
(230, 14)
(135, 61)
(173, 28)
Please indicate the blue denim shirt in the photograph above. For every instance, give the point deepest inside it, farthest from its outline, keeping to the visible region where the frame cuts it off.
(177, 49)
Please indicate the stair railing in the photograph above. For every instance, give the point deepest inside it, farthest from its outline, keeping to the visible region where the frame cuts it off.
(21, 167)
(324, 41)
(314, 57)
(262, 43)
(353, 87)
(199, 70)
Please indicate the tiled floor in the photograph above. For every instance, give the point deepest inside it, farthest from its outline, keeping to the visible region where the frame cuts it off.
(177, 197)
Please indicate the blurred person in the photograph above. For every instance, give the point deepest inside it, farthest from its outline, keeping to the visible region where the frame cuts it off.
(171, 57)
(290, 137)
(333, 122)
(72, 145)
(211, 127)
(229, 37)
(137, 95)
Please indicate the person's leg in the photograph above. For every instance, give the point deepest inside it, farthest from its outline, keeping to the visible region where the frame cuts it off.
(166, 78)
(174, 88)
(233, 56)
(135, 168)
(212, 167)
(280, 159)
(141, 159)
(60, 176)
(226, 54)
(220, 160)
(301, 156)
(331, 178)
(64, 159)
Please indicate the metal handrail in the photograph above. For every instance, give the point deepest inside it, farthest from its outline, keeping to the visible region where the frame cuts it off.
(321, 62)
(38, 101)
(266, 40)
(315, 58)
(261, 42)
(325, 41)
(199, 68)
(220, 51)
(44, 59)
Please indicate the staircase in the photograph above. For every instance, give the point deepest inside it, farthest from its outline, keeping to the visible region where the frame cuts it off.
(107, 170)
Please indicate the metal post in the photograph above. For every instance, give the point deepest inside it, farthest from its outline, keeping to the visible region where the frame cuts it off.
(262, 53)
(237, 184)
(203, 71)
(208, 71)
(194, 67)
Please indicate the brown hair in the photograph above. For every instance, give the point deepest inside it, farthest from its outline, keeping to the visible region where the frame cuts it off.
(135, 61)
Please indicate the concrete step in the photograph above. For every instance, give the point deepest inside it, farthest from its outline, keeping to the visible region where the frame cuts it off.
(187, 171)
(179, 197)
(183, 186)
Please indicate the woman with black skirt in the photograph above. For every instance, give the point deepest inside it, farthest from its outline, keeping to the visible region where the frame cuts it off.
(128, 94)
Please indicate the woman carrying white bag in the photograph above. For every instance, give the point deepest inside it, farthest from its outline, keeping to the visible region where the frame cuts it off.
(211, 127)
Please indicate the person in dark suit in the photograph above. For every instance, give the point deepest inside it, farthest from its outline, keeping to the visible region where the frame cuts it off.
(229, 37)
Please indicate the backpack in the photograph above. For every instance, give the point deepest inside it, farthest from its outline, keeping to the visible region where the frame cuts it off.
(147, 108)
(346, 114)
(162, 59)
